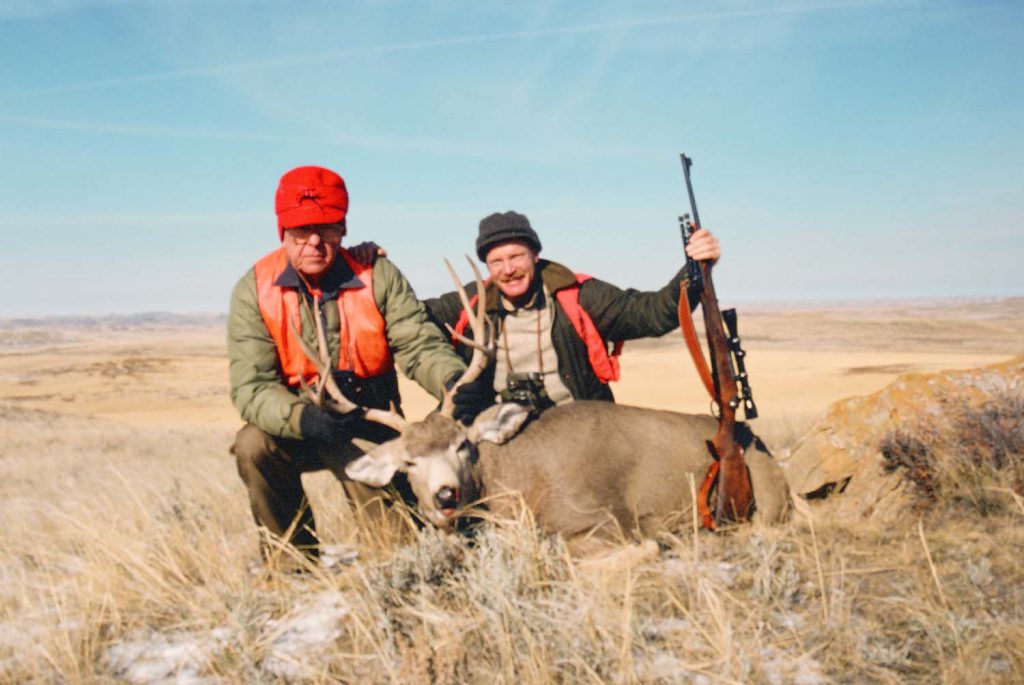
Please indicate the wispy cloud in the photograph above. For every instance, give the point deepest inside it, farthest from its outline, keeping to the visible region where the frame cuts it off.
(485, 150)
(135, 129)
(38, 9)
(330, 55)
(128, 219)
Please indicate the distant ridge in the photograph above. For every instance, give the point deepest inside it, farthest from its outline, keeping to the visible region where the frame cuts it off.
(877, 303)
(142, 320)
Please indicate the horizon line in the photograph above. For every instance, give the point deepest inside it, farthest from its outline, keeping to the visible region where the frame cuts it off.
(803, 303)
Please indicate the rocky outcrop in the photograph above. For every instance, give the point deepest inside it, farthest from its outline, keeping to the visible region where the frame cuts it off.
(874, 457)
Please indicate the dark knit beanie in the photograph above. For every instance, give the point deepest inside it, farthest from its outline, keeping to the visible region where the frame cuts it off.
(501, 228)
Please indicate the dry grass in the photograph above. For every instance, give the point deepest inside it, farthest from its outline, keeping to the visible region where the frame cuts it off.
(128, 554)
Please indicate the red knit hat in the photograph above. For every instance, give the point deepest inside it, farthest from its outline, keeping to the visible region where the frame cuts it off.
(310, 195)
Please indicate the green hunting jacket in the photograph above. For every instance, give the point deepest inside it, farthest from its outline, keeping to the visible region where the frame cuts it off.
(618, 314)
(258, 387)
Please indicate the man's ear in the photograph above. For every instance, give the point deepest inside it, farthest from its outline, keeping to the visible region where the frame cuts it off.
(498, 424)
(377, 467)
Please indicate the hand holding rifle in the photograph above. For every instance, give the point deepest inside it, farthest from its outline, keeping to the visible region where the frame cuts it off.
(703, 246)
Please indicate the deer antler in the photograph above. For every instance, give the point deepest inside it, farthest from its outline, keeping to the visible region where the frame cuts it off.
(483, 343)
(321, 358)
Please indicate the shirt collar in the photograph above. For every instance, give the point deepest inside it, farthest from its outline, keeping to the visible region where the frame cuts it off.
(339, 277)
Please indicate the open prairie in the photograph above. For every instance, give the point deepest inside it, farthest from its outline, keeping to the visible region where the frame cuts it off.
(127, 551)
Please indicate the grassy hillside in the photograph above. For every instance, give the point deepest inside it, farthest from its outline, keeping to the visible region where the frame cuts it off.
(128, 554)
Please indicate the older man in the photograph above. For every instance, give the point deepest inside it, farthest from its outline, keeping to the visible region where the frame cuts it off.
(372, 320)
(554, 326)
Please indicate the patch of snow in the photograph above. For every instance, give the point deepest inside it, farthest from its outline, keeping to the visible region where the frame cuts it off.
(299, 640)
(685, 569)
(999, 664)
(20, 637)
(789, 620)
(681, 632)
(334, 556)
(663, 667)
(668, 625)
(780, 667)
(179, 658)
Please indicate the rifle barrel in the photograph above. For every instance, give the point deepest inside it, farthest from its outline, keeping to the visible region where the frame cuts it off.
(687, 163)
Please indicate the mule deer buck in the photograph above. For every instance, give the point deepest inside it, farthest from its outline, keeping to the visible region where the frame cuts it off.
(585, 469)
(590, 471)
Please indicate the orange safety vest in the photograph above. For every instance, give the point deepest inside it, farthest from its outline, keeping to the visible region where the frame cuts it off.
(364, 345)
(605, 365)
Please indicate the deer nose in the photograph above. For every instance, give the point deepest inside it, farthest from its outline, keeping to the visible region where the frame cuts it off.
(447, 498)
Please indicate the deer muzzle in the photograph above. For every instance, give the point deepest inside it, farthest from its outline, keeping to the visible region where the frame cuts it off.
(447, 500)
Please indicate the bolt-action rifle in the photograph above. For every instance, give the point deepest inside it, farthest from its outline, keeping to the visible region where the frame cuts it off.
(735, 496)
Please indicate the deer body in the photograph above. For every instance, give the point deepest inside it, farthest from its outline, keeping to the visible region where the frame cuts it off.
(584, 469)
(585, 465)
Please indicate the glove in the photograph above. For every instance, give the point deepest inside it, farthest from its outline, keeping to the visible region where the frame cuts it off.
(471, 399)
(327, 426)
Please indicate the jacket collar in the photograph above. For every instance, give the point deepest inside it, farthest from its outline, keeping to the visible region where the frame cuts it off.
(536, 302)
(339, 277)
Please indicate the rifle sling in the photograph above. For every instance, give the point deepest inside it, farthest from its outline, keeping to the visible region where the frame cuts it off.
(707, 516)
(692, 342)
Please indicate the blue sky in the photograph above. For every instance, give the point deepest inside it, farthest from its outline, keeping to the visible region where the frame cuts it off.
(843, 150)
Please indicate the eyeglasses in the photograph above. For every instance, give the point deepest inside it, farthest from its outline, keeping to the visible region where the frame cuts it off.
(329, 233)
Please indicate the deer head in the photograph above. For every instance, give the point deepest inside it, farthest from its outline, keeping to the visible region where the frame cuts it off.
(438, 454)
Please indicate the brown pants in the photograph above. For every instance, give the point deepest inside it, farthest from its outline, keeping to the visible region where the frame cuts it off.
(271, 468)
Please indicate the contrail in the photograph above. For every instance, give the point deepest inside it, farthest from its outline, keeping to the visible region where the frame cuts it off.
(278, 62)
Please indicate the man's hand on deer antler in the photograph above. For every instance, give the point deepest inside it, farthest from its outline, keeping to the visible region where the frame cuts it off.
(327, 426)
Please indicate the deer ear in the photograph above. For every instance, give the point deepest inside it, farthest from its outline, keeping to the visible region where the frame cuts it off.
(378, 466)
(499, 423)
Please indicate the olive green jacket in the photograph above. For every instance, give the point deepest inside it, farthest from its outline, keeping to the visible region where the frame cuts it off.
(618, 314)
(258, 387)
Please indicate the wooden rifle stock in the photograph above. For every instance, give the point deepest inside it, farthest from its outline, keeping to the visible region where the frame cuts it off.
(735, 496)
